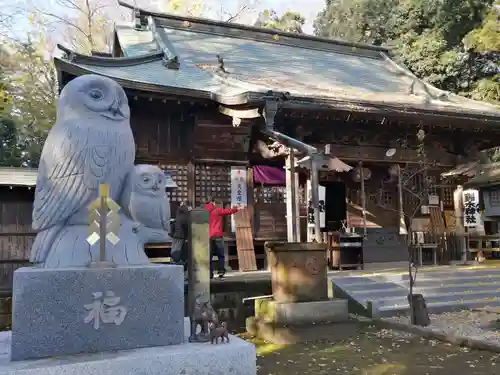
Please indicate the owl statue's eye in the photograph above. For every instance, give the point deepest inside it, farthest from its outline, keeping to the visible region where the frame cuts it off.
(146, 179)
(96, 94)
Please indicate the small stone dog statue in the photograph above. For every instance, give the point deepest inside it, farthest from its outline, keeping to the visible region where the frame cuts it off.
(218, 331)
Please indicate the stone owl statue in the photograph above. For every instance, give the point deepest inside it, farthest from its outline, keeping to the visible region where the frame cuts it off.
(90, 144)
(145, 200)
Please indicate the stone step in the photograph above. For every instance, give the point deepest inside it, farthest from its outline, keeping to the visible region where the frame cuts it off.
(436, 308)
(366, 286)
(443, 291)
(398, 290)
(427, 274)
(437, 298)
(421, 283)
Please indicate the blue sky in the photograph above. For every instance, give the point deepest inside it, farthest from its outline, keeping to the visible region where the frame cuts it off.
(308, 9)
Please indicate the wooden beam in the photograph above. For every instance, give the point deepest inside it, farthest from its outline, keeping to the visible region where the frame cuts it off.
(377, 154)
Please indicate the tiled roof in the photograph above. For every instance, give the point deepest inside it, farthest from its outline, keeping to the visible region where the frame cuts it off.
(489, 175)
(10, 176)
(257, 60)
(135, 43)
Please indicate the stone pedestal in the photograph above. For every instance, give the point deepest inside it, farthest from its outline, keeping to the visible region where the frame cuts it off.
(298, 271)
(58, 312)
(237, 357)
(301, 313)
(291, 323)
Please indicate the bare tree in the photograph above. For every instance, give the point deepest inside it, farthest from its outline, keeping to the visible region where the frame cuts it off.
(85, 24)
(200, 8)
(243, 9)
(10, 11)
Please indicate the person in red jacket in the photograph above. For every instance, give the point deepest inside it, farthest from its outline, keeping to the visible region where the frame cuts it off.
(216, 234)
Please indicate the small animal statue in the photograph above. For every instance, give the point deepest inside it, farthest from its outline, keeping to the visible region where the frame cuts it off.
(203, 314)
(90, 144)
(145, 200)
(144, 197)
(217, 331)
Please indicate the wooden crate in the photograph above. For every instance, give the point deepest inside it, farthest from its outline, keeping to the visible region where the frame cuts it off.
(244, 241)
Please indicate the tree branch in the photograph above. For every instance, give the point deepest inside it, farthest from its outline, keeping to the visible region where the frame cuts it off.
(236, 15)
(64, 21)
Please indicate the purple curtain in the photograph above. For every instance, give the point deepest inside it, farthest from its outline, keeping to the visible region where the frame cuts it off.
(264, 174)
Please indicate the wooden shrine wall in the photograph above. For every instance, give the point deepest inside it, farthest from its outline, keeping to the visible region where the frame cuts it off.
(195, 143)
(16, 235)
(162, 130)
(269, 212)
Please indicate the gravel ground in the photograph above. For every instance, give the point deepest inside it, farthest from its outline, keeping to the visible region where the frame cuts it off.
(373, 351)
(483, 325)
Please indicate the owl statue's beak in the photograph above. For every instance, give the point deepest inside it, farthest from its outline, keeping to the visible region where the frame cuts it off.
(114, 112)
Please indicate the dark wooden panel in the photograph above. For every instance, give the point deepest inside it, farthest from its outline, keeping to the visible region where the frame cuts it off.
(16, 235)
(15, 247)
(215, 137)
(244, 241)
(270, 212)
(384, 245)
(7, 273)
(162, 131)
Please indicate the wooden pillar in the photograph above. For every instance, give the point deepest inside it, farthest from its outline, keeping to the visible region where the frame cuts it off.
(310, 230)
(191, 183)
(250, 198)
(461, 230)
(291, 203)
(402, 225)
(363, 196)
(297, 207)
(315, 195)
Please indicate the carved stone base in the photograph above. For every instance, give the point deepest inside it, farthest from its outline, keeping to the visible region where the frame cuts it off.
(237, 357)
(81, 310)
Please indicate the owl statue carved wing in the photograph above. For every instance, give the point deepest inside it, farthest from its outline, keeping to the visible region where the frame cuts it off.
(66, 185)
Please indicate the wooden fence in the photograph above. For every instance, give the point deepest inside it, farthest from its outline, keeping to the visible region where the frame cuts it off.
(16, 237)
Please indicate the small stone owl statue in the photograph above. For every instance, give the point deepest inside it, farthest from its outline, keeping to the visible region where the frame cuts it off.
(145, 200)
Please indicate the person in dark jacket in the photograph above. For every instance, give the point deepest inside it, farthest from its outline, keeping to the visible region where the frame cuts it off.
(180, 234)
(216, 234)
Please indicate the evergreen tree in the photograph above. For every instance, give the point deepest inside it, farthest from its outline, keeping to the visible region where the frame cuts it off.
(452, 44)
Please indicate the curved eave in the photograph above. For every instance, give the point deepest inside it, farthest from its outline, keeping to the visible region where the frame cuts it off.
(77, 70)
(255, 97)
(384, 107)
(78, 58)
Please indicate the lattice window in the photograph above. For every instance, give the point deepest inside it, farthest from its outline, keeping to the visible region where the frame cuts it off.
(270, 194)
(448, 196)
(495, 198)
(386, 199)
(214, 181)
(179, 175)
